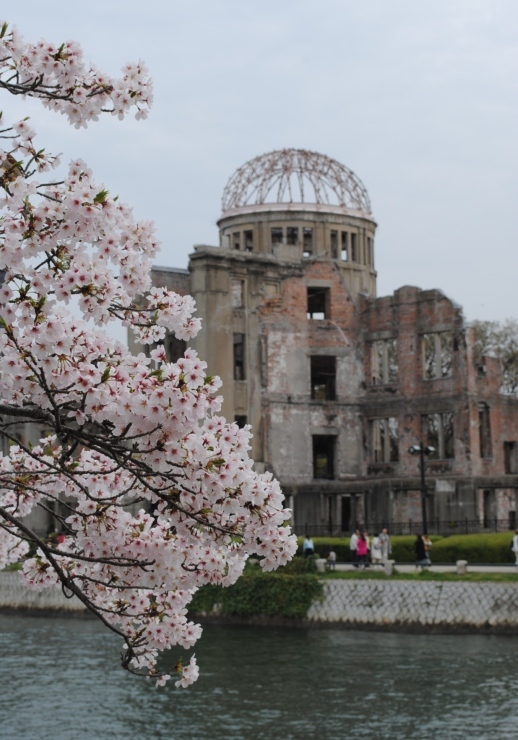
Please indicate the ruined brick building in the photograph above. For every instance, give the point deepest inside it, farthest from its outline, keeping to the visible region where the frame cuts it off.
(337, 383)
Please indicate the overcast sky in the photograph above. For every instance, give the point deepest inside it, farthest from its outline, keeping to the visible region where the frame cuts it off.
(419, 99)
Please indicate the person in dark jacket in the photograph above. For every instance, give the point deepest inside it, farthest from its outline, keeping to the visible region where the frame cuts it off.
(421, 556)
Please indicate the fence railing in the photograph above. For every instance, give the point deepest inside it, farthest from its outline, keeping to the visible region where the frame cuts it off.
(443, 528)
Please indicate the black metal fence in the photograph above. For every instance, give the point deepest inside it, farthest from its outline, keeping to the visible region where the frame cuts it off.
(443, 528)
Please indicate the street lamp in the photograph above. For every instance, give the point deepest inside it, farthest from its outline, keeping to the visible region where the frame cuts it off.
(422, 451)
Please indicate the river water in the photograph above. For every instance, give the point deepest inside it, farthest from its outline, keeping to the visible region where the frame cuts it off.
(60, 678)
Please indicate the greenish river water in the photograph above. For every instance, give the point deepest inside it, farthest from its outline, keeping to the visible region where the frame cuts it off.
(60, 679)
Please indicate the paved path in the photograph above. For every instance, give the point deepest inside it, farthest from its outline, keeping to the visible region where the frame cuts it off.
(439, 568)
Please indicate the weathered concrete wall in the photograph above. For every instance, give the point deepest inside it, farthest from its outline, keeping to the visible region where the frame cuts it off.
(387, 604)
(15, 595)
(419, 605)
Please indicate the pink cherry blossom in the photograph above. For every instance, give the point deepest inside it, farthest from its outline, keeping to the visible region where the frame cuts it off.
(157, 493)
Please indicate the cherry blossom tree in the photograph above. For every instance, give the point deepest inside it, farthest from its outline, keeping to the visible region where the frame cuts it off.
(158, 493)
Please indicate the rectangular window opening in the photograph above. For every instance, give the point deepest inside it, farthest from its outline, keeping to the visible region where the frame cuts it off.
(323, 378)
(239, 357)
(236, 240)
(249, 241)
(323, 456)
(174, 347)
(384, 440)
(510, 458)
(237, 293)
(345, 246)
(292, 235)
(438, 433)
(384, 364)
(334, 245)
(241, 421)
(354, 251)
(276, 235)
(318, 303)
(484, 430)
(437, 354)
(487, 508)
(307, 238)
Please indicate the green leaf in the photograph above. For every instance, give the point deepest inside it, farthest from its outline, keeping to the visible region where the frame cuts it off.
(101, 196)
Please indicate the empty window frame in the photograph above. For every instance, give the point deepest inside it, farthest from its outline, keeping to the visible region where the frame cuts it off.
(236, 240)
(344, 253)
(241, 421)
(292, 235)
(484, 430)
(277, 235)
(249, 240)
(323, 456)
(318, 303)
(307, 242)
(354, 247)
(384, 367)
(437, 352)
(384, 440)
(437, 432)
(174, 347)
(510, 458)
(323, 378)
(237, 293)
(488, 508)
(334, 245)
(239, 357)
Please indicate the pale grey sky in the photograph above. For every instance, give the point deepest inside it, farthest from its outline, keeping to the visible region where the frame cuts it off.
(419, 99)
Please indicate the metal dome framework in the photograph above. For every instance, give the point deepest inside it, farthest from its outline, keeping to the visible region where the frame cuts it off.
(295, 176)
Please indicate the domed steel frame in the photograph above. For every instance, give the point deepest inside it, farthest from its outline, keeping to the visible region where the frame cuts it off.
(295, 176)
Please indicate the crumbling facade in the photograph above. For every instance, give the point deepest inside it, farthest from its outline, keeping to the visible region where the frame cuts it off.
(337, 383)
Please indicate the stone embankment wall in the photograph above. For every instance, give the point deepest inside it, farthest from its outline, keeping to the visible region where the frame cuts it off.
(424, 605)
(377, 604)
(15, 595)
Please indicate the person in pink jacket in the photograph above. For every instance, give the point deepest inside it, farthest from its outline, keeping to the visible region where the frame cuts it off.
(362, 549)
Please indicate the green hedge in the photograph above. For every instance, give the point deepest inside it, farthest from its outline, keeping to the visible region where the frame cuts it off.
(475, 548)
(260, 594)
(402, 548)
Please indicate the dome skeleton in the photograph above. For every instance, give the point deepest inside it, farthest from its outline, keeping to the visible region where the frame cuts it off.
(295, 176)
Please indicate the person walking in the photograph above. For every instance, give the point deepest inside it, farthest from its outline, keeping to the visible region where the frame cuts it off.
(361, 550)
(514, 546)
(376, 554)
(421, 557)
(352, 545)
(331, 560)
(427, 546)
(385, 545)
(308, 547)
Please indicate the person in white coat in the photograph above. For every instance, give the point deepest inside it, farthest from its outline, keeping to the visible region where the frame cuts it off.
(352, 545)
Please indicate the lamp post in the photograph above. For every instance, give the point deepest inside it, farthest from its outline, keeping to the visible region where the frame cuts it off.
(422, 451)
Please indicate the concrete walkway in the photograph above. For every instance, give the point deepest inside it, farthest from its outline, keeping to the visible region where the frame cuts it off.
(439, 568)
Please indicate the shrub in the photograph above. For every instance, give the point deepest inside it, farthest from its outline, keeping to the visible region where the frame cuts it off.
(475, 548)
(262, 594)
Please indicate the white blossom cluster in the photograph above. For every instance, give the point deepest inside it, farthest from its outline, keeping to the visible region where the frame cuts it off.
(58, 76)
(160, 494)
